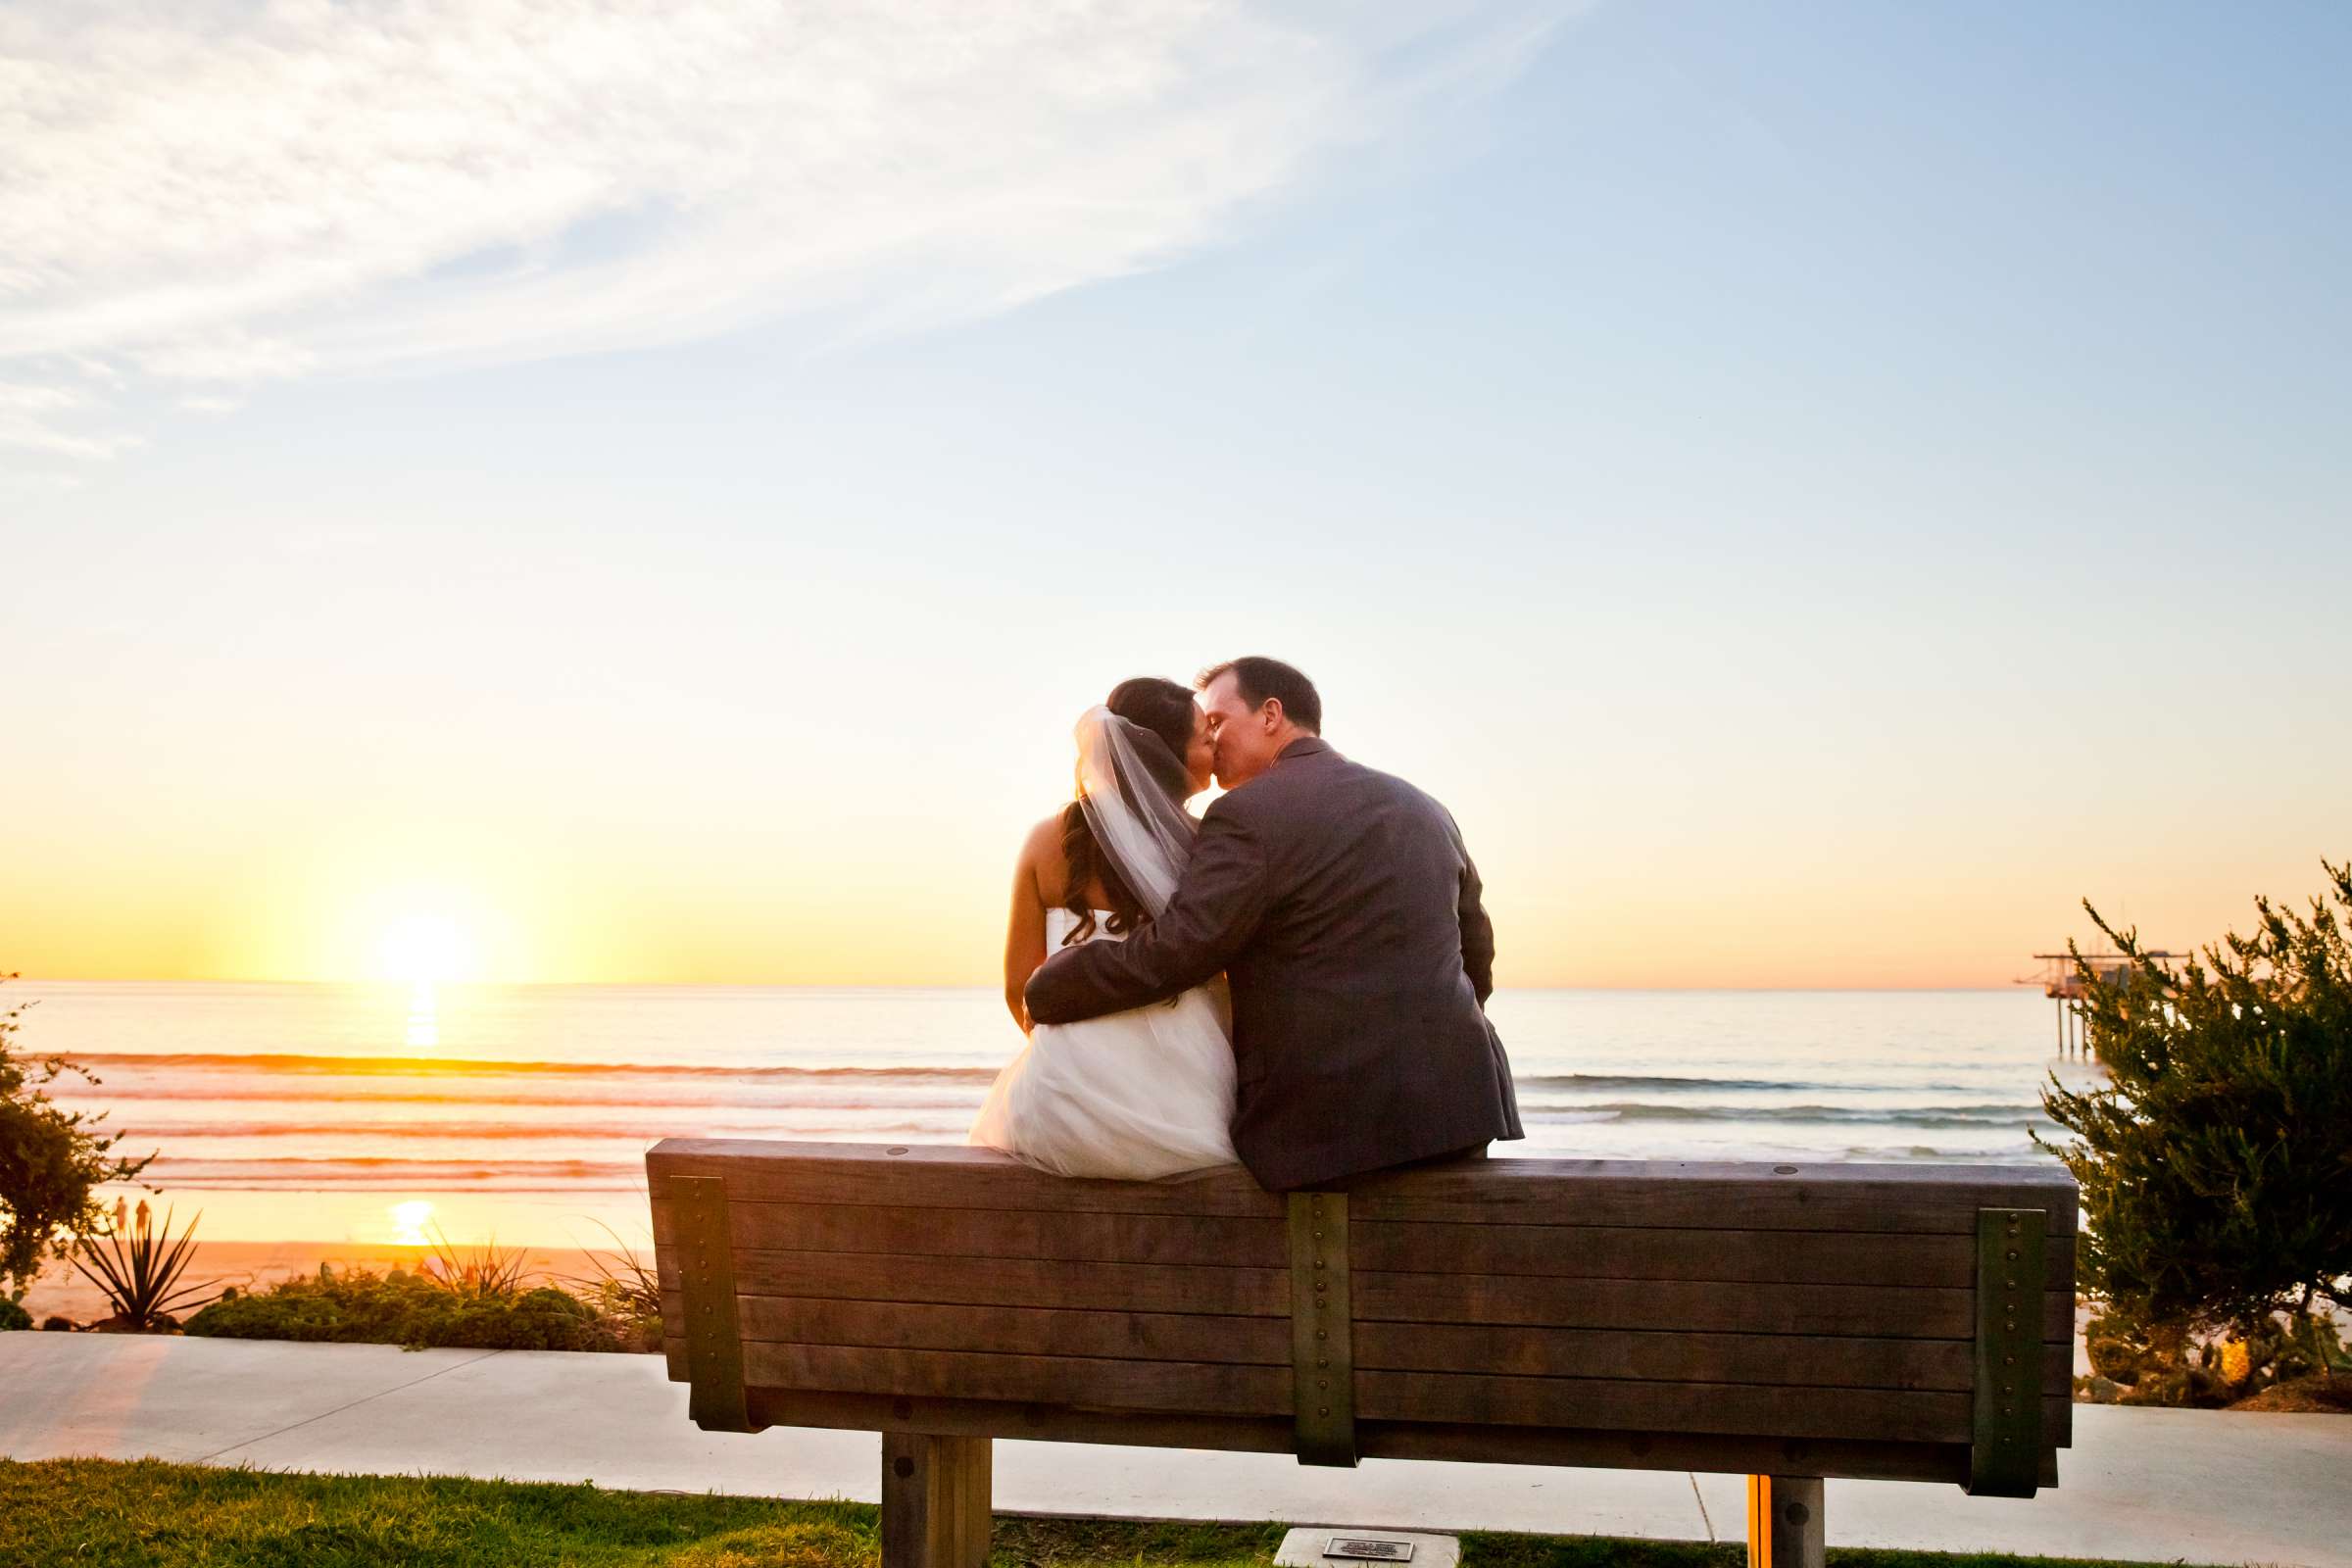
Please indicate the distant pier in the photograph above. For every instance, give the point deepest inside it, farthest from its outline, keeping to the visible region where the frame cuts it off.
(2063, 983)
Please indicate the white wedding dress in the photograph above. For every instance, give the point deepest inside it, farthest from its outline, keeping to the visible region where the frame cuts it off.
(1136, 1095)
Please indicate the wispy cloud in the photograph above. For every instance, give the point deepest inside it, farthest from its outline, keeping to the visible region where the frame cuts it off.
(202, 191)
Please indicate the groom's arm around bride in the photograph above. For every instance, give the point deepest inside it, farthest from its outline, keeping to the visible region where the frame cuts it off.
(1345, 911)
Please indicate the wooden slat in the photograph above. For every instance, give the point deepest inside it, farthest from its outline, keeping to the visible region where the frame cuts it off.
(1019, 1331)
(1605, 1252)
(1194, 1388)
(1906, 1198)
(1195, 1240)
(1711, 1453)
(1867, 1310)
(938, 1176)
(1864, 1414)
(1646, 1193)
(1939, 1365)
(1871, 1414)
(1010, 1282)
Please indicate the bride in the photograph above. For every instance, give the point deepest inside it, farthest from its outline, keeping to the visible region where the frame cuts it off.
(1139, 1094)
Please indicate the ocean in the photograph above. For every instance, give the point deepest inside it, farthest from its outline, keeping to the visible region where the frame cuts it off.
(372, 1114)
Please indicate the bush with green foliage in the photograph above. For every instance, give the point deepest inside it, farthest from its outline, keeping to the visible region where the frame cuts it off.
(13, 1316)
(52, 1162)
(2216, 1164)
(358, 1306)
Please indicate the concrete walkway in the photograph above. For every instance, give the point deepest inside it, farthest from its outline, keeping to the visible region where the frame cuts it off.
(2204, 1487)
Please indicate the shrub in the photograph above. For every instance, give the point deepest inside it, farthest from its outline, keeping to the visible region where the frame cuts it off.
(2216, 1165)
(141, 1280)
(13, 1316)
(51, 1162)
(358, 1307)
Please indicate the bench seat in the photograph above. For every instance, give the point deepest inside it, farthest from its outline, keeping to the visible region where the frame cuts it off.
(1897, 1322)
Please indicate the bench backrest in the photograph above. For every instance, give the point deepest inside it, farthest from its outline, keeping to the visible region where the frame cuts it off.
(1888, 1321)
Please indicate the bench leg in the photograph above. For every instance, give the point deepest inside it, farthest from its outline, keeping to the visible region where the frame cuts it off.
(1783, 1522)
(935, 1502)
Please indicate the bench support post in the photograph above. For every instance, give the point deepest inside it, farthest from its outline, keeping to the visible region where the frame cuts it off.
(1783, 1522)
(935, 1500)
(2005, 1458)
(1322, 1332)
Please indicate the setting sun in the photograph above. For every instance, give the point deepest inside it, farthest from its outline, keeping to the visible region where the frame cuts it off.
(426, 950)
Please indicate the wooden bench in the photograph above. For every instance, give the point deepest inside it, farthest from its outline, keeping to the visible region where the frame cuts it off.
(1783, 1322)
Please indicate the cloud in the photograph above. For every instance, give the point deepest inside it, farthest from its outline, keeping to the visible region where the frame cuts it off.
(202, 191)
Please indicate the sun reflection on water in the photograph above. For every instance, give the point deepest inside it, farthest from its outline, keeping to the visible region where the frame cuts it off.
(424, 1019)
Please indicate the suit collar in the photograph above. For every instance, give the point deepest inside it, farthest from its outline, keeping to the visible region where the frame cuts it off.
(1303, 747)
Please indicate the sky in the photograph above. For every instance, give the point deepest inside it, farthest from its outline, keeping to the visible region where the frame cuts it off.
(645, 490)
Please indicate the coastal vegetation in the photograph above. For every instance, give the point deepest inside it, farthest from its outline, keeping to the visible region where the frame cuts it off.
(138, 1267)
(52, 1162)
(2215, 1162)
(477, 1300)
(147, 1514)
(421, 1311)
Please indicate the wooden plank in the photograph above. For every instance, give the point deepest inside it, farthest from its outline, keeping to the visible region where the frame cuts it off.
(1196, 1241)
(1866, 1310)
(1018, 1330)
(1602, 1360)
(1781, 1359)
(1718, 1453)
(1869, 1414)
(1194, 1388)
(1606, 1251)
(1711, 1453)
(1853, 1414)
(1008, 1282)
(1934, 1199)
(1646, 1193)
(938, 1176)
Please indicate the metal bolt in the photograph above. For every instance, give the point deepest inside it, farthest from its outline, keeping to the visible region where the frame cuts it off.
(2013, 1255)
(1322, 1382)
(1318, 1264)
(1325, 1365)
(1323, 1411)
(1320, 1335)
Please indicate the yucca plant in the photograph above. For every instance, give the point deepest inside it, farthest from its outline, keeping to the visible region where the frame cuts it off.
(489, 1272)
(141, 1279)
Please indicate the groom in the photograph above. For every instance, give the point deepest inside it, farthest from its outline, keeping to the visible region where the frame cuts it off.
(1344, 909)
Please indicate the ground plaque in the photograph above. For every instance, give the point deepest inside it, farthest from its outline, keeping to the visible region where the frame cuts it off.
(1325, 1547)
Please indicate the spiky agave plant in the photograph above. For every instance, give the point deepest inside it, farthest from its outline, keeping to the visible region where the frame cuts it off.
(141, 1279)
(489, 1272)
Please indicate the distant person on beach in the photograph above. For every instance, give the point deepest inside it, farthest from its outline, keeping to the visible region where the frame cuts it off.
(1342, 908)
(1141, 1092)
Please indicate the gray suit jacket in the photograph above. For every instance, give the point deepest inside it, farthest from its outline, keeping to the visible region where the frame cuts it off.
(1345, 911)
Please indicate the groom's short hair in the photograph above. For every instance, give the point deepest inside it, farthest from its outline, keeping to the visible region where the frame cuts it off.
(1261, 678)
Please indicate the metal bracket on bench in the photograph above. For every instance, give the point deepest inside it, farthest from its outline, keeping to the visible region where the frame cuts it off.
(2004, 1459)
(713, 1335)
(1322, 1347)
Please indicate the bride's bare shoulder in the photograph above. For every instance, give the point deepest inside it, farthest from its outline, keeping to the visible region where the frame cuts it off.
(1041, 858)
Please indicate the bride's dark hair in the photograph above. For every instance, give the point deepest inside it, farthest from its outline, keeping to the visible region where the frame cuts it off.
(1166, 711)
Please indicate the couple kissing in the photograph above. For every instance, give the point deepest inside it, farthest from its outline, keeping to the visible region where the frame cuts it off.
(1296, 980)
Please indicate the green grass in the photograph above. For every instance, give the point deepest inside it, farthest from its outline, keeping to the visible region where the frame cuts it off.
(149, 1514)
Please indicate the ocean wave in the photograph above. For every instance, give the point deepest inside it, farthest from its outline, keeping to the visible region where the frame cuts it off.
(1664, 1084)
(484, 1067)
(1994, 1116)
